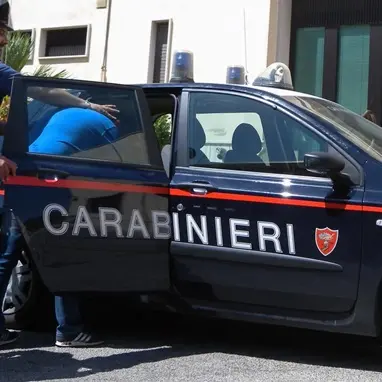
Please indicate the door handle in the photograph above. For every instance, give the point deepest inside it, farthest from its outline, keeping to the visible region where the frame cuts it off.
(199, 190)
(51, 175)
(197, 187)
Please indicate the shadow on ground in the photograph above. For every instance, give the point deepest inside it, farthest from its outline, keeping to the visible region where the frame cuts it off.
(156, 337)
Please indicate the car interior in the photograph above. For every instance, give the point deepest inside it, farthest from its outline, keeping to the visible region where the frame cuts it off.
(284, 146)
(163, 104)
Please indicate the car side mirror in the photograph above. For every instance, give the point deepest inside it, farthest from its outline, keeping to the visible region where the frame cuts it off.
(323, 163)
(330, 165)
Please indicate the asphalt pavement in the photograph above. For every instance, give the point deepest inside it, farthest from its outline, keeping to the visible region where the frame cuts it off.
(159, 347)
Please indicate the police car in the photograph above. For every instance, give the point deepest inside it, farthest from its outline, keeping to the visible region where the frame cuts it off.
(264, 206)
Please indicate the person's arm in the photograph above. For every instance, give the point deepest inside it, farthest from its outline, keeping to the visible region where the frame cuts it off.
(56, 97)
(7, 167)
(60, 97)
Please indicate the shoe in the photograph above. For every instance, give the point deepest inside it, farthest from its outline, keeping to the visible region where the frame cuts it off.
(81, 340)
(7, 337)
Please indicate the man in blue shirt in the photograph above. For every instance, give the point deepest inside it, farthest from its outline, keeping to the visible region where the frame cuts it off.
(87, 125)
(73, 130)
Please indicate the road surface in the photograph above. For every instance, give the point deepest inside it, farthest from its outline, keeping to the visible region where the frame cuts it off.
(156, 348)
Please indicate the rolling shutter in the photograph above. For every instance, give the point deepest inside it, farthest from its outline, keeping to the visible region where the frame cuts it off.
(160, 52)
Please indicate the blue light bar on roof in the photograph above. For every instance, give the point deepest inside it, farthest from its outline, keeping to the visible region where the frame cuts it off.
(235, 75)
(182, 67)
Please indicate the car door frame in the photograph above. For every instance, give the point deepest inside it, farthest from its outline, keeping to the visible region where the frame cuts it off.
(18, 120)
(16, 137)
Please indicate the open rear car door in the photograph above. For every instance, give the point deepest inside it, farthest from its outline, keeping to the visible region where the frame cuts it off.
(96, 218)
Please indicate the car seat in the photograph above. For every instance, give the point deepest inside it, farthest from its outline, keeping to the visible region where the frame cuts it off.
(195, 142)
(246, 145)
(166, 158)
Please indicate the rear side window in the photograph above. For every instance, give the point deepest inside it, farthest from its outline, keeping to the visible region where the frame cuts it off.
(87, 133)
(214, 122)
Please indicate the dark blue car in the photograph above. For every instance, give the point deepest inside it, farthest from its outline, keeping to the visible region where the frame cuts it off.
(265, 205)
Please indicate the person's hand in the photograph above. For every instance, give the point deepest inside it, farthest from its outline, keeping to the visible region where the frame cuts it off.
(105, 110)
(7, 167)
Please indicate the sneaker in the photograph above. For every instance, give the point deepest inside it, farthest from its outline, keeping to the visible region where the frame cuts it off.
(7, 337)
(81, 340)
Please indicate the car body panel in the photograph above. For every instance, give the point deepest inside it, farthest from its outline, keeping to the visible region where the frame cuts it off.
(337, 291)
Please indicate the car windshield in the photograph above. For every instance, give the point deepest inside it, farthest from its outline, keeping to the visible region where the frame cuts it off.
(360, 131)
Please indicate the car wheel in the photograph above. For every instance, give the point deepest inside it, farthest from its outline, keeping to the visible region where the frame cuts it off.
(26, 299)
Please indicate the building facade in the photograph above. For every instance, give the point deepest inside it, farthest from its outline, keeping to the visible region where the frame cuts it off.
(335, 51)
(138, 38)
(331, 46)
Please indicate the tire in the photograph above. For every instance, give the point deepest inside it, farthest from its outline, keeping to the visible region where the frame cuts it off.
(27, 303)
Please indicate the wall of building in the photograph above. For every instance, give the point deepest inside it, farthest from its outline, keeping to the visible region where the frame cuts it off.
(218, 33)
(279, 31)
(38, 14)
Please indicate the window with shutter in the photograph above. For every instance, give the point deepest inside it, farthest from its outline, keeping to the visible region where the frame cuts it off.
(65, 42)
(160, 59)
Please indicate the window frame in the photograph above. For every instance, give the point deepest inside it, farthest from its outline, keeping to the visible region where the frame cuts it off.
(182, 140)
(43, 40)
(153, 46)
(16, 138)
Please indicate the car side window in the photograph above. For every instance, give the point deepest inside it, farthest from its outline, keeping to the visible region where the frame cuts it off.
(87, 133)
(238, 133)
(295, 141)
(226, 129)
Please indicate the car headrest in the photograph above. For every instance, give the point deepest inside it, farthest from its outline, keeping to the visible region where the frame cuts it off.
(246, 138)
(198, 138)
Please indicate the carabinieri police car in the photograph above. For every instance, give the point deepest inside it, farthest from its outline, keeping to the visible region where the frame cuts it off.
(264, 204)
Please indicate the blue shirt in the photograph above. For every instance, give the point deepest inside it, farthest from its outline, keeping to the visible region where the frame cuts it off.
(68, 131)
(72, 130)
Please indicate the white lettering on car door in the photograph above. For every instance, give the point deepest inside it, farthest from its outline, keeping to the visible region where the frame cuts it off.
(192, 226)
(291, 242)
(273, 237)
(115, 222)
(83, 220)
(218, 231)
(47, 222)
(235, 233)
(175, 224)
(161, 224)
(137, 224)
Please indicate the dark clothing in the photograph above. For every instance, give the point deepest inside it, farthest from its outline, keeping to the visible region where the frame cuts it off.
(6, 76)
(11, 245)
(67, 309)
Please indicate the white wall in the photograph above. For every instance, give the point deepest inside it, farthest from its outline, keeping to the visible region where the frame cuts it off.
(27, 14)
(212, 29)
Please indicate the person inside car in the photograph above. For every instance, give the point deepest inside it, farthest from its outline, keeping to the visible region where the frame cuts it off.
(369, 115)
(73, 130)
(69, 330)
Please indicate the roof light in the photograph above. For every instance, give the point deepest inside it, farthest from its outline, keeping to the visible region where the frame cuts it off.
(276, 75)
(235, 75)
(182, 67)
